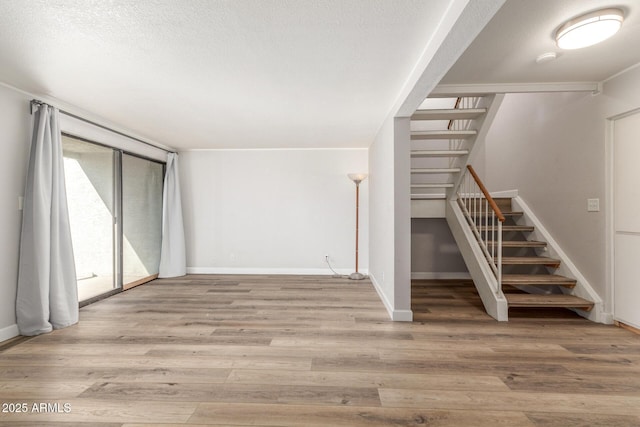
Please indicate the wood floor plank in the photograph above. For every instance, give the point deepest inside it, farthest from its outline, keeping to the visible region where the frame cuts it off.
(296, 415)
(573, 384)
(83, 349)
(513, 401)
(94, 373)
(434, 366)
(105, 411)
(582, 420)
(247, 351)
(59, 424)
(368, 379)
(251, 393)
(182, 425)
(293, 363)
(38, 389)
(320, 351)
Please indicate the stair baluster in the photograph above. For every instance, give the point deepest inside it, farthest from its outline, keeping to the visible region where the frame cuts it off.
(482, 213)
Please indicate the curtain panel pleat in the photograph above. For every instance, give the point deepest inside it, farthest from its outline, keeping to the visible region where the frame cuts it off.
(173, 258)
(47, 296)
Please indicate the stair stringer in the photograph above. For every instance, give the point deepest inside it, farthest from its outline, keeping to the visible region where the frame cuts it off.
(567, 268)
(483, 278)
(482, 127)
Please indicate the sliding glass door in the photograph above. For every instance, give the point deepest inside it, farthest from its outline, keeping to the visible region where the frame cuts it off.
(115, 211)
(90, 181)
(142, 181)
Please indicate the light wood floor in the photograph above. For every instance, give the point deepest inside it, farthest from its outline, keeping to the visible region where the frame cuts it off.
(317, 351)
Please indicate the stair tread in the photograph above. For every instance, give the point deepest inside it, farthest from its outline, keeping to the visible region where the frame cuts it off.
(520, 243)
(442, 134)
(448, 114)
(551, 300)
(511, 227)
(434, 185)
(438, 153)
(435, 170)
(537, 280)
(530, 260)
(508, 213)
(428, 196)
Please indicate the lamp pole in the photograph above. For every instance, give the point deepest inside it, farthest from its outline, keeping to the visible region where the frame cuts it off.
(357, 178)
(357, 220)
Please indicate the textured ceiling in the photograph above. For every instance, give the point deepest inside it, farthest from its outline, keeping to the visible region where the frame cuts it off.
(222, 73)
(506, 49)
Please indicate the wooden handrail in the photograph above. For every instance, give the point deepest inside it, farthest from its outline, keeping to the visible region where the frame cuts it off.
(492, 202)
(455, 108)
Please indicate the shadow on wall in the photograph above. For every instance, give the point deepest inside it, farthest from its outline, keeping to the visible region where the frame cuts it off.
(433, 248)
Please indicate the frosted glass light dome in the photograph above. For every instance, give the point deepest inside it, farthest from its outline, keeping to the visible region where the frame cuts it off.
(589, 29)
(357, 177)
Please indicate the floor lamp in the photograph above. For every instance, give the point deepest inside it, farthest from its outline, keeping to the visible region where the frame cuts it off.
(357, 178)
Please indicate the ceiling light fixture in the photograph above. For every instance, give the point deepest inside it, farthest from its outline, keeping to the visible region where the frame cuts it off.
(589, 29)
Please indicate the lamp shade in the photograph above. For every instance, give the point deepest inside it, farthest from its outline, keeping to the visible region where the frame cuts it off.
(589, 29)
(357, 177)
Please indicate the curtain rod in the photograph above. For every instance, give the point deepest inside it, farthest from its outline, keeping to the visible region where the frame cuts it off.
(37, 102)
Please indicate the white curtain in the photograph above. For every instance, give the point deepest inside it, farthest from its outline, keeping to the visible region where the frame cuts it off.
(173, 257)
(47, 295)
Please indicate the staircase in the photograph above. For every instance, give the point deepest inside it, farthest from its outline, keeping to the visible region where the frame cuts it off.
(510, 268)
(519, 273)
(443, 133)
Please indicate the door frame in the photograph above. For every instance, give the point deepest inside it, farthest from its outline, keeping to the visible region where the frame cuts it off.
(610, 211)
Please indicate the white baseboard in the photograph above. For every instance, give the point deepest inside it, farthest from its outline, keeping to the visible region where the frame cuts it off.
(9, 332)
(291, 271)
(440, 275)
(382, 296)
(402, 316)
(395, 315)
(607, 318)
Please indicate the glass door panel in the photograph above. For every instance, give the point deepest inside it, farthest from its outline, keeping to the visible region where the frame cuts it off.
(142, 182)
(89, 176)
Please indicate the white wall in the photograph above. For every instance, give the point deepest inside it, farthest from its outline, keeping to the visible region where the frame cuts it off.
(15, 123)
(273, 211)
(390, 217)
(381, 216)
(552, 149)
(434, 252)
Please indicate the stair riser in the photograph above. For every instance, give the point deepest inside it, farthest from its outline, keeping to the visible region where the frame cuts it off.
(507, 229)
(546, 264)
(541, 285)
